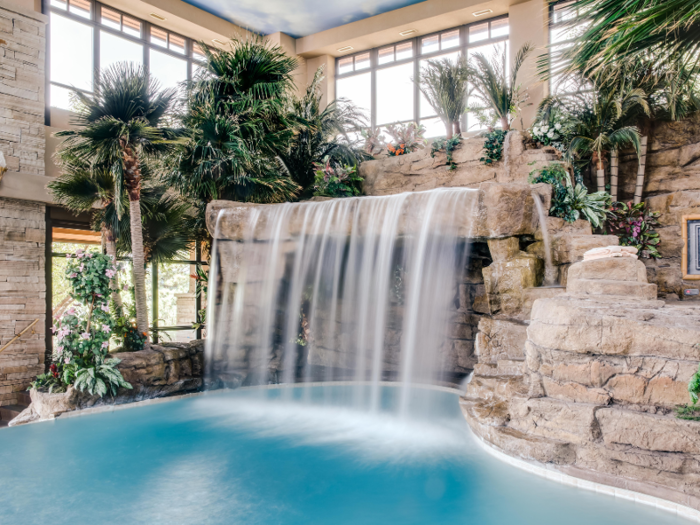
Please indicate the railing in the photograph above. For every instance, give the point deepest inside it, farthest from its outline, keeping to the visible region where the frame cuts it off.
(155, 329)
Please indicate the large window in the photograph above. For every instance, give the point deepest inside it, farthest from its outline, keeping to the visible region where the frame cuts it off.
(563, 31)
(381, 83)
(86, 36)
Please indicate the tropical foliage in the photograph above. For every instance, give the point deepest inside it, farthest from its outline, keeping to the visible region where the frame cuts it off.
(375, 141)
(493, 146)
(337, 181)
(445, 85)
(497, 92)
(630, 29)
(320, 134)
(81, 356)
(634, 225)
(449, 145)
(572, 202)
(122, 124)
(236, 125)
(406, 138)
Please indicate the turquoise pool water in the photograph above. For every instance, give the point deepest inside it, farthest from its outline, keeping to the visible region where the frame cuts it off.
(262, 457)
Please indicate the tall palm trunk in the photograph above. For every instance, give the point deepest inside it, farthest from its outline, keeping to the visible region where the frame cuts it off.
(600, 170)
(640, 172)
(111, 250)
(505, 125)
(448, 129)
(132, 181)
(613, 174)
(457, 127)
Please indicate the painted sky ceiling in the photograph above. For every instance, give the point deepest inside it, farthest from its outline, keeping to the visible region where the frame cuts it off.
(296, 17)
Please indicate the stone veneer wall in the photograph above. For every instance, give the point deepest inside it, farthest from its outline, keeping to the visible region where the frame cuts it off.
(22, 223)
(22, 295)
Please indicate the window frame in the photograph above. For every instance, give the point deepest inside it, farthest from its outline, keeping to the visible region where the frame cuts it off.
(416, 58)
(95, 23)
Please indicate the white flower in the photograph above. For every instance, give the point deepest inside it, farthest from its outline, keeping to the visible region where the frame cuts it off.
(535, 130)
(557, 126)
(551, 134)
(544, 129)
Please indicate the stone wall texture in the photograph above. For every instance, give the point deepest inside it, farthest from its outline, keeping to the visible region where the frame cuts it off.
(22, 223)
(22, 295)
(22, 77)
(589, 384)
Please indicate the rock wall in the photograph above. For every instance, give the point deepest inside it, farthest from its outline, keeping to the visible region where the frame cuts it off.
(22, 295)
(162, 370)
(672, 187)
(419, 171)
(589, 384)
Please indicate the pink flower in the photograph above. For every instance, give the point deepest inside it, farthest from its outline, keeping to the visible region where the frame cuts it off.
(104, 307)
(110, 273)
(106, 329)
(68, 256)
(71, 311)
(81, 267)
(73, 275)
(85, 335)
(88, 255)
(105, 344)
(80, 255)
(125, 287)
(53, 329)
(66, 360)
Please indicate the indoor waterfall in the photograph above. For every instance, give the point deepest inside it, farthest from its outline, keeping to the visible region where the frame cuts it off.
(355, 289)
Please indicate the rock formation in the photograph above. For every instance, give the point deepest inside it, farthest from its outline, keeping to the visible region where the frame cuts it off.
(588, 386)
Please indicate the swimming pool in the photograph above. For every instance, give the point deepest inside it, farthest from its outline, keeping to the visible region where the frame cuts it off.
(282, 457)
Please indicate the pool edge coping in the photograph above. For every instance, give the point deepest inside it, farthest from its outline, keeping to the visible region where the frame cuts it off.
(541, 469)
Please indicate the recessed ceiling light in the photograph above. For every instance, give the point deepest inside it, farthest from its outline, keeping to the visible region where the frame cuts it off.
(217, 41)
(484, 12)
(158, 17)
(346, 48)
(408, 32)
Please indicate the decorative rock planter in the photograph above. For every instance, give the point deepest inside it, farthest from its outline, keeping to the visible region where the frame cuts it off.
(163, 370)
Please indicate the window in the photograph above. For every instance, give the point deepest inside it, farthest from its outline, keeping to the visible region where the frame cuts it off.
(562, 32)
(79, 27)
(381, 81)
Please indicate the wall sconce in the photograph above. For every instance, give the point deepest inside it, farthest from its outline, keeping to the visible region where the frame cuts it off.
(3, 166)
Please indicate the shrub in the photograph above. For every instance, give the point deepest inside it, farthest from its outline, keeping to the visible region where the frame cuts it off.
(691, 412)
(493, 146)
(83, 333)
(406, 138)
(634, 225)
(449, 145)
(339, 181)
(571, 202)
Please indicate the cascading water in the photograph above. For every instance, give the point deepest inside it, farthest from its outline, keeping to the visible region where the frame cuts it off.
(359, 289)
(550, 277)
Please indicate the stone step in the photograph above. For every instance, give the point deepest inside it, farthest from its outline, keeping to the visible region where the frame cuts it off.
(630, 290)
(9, 412)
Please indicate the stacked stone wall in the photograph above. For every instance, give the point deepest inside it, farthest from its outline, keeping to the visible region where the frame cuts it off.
(22, 223)
(22, 295)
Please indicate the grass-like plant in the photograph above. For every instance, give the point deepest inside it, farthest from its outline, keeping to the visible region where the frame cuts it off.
(445, 85)
(494, 88)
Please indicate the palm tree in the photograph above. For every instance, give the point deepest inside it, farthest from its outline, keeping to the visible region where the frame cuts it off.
(81, 188)
(121, 124)
(494, 88)
(236, 125)
(621, 29)
(445, 85)
(321, 133)
(601, 126)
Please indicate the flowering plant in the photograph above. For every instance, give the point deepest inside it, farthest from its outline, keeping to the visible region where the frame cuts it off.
(83, 332)
(406, 138)
(634, 225)
(554, 129)
(336, 181)
(374, 140)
